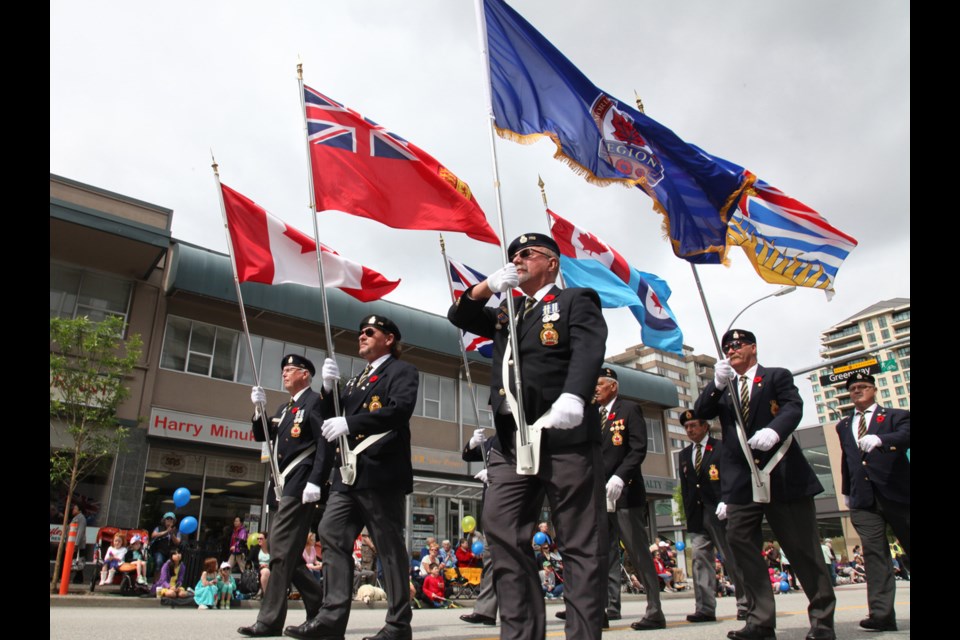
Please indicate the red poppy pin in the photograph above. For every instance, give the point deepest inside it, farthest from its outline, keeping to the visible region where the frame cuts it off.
(294, 410)
(549, 297)
(373, 379)
(708, 448)
(881, 418)
(758, 380)
(611, 415)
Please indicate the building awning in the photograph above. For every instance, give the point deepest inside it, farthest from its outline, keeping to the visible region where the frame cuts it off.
(445, 488)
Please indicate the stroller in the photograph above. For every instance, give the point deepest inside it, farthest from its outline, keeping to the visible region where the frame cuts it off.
(126, 575)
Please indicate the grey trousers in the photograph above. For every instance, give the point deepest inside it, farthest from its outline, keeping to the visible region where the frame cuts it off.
(486, 603)
(629, 525)
(871, 525)
(704, 547)
(794, 522)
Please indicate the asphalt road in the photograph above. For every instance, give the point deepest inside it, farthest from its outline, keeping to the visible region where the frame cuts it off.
(103, 619)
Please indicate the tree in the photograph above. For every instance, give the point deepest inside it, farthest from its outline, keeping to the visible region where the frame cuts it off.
(90, 363)
(679, 512)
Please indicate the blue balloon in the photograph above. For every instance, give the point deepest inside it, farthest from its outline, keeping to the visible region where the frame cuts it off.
(181, 497)
(681, 545)
(540, 537)
(784, 586)
(188, 525)
(477, 548)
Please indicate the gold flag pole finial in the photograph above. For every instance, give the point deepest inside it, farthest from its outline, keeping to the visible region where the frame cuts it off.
(299, 67)
(216, 167)
(543, 193)
(639, 101)
(443, 246)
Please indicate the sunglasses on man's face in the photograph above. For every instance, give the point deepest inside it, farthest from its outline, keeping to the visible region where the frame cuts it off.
(734, 345)
(369, 332)
(527, 254)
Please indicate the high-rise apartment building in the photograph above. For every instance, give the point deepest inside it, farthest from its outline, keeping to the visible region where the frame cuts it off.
(879, 324)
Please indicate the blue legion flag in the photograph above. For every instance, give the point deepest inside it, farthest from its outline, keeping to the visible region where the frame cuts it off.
(587, 261)
(537, 92)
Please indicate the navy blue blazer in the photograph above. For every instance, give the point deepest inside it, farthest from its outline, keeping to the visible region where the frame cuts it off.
(885, 470)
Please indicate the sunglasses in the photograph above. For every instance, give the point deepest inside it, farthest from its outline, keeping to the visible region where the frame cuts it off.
(527, 254)
(369, 332)
(734, 345)
(860, 387)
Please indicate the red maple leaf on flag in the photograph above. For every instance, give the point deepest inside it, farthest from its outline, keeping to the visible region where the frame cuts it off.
(307, 245)
(624, 131)
(656, 301)
(590, 243)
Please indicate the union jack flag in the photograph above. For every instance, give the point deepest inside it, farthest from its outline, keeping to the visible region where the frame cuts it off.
(362, 169)
(462, 278)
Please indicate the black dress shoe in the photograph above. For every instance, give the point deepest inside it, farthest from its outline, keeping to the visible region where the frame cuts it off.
(562, 614)
(701, 617)
(476, 618)
(648, 625)
(753, 632)
(821, 633)
(259, 630)
(312, 630)
(606, 622)
(873, 624)
(385, 634)
(741, 615)
(613, 616)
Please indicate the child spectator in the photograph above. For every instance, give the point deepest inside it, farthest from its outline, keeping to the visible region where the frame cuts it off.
(170, 583)
(548, 581)
(226, 586)
(207, 591)
(137, 557)
(112, 559)
(310, 556)
(263, 562)
(433, 587)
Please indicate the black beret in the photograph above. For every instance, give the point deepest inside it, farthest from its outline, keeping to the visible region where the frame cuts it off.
(860, 376)
(383, 323)
(738, 334)
(532, 240)
(687, 415)
(293, 360)
(607, 372)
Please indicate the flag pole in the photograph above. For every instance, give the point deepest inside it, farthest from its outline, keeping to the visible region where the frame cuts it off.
(347, 468)
(546, 212)
(735, 398)
(525, 451)
(261, 408)
(463, 352)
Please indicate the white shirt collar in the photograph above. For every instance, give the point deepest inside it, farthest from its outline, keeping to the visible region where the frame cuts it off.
(538, 296)
(750, 374)
(609, 405)
(376, 363)
(296, 396)
(868, 411)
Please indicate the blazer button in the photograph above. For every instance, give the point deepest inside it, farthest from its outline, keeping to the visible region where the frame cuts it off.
(864, 463)
(510, 362)
(502, 392)
(756, 461)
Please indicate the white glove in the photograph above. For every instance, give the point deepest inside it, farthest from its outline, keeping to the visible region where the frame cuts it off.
(614, 488)
(258, 396)
(846, 501)
(764, 440)
(334, 428)
(869, 442)
(566, 412)
(330, 373)
(503, 279)
(311, 493)
(722, 511)
(482, 476)
(723, 373)
(477, 438)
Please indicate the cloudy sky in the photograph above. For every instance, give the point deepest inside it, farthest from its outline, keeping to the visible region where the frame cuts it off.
(811, 95)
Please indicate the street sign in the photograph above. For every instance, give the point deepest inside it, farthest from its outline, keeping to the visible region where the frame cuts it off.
(840, 373)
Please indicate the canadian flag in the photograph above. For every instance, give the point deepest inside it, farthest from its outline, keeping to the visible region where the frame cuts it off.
(269, 251)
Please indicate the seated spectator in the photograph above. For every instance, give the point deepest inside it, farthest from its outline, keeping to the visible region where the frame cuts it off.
(432, 557)
(724, 586)
(433, 586)
(662, 572)
(263, 564)
(207, 591)
(112, 559)
(163, 539)
(226, 586)
(448, 558)
(429, 542)
(464, 553)
(170, 582)
(552, 588)
(137, 557)
(310, 556)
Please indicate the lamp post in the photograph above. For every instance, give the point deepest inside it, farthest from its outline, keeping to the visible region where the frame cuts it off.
(782, 291)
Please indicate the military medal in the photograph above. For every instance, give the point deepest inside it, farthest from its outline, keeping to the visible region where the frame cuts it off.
(298, 417)
(616, 428)
(295, 431)
(375, 403)
(551, 312)
(714, 472)
(548, 335)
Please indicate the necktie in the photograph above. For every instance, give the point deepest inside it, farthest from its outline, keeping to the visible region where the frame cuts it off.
(862, 427)
(698, 459)
(289, 404)
(528, 304)
(361, 379)
(603, 418)
(744, 399)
